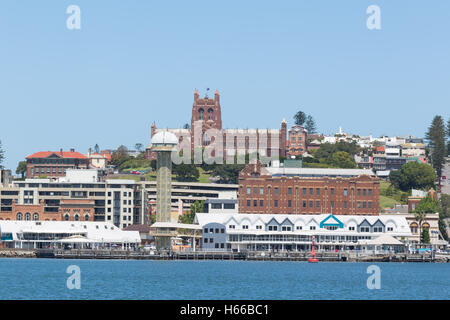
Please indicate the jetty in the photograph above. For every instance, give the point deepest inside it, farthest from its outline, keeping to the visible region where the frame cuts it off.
(231, 255)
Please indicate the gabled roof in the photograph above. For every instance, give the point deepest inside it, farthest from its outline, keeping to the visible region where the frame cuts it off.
(335, 222)
(64, 154)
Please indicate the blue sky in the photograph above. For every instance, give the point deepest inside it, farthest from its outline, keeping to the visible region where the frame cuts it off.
(135, 62)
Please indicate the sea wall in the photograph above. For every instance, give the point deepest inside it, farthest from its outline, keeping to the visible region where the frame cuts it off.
(17, 253)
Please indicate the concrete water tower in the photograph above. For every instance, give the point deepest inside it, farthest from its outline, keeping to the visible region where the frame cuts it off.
(163, 143)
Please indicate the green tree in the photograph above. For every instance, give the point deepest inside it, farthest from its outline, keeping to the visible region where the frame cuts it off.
(138, 146)
(342, 159)
(196, 207)
(120, 156)
(186, 172)
(425, 238)
(310, 124)
(228, 173)
(2, 155)
(436, 142)
(22, 168)
(300, 118)
(186, 126)
(413, 175)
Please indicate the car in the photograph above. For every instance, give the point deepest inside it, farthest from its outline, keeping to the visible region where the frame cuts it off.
(134, 172)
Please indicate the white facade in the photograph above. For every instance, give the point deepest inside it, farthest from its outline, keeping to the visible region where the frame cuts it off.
(48, 234)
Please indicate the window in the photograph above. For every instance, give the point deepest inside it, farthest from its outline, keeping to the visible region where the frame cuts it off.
(289, 203)
(261, 190)
(275, 191)
(390, 229)
(304, 203)
(364, 204)
(255, 203)
(275, 203)
(358, 204)
(258, 227)
(200, 114)
(248, 203)
(66, 217)
(299, 228)
(364, 192)
(317, 191)
(311, 203)
(245, 227)
(231, 226)
(255, 190)
(345, 204)
(370, 192)
(345, 192)
(311, 191)
(365, 229)
(205, 240)
(359, 192)
(217, 230)
(211, 230)
(273, 228)
(27, 216)
(228, 206)
(289, 190)
(312, 228)
(331, 204)
(222, 230)
(377, 229)
(369, 204)
(351, 228)
(35, 217)
(261, 203)
(77, 217)
(210, 114)
(332, 191)
(217, 246)
(216, 206)
(249, 190)
(19, 216)
(304, 191)
(285, 228)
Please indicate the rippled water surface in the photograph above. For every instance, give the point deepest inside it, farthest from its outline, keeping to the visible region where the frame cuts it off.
(132, 279)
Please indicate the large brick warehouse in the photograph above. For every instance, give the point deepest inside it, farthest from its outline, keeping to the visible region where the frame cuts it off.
(308, 191)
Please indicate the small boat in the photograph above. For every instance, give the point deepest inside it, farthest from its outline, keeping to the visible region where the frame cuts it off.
(313, 258)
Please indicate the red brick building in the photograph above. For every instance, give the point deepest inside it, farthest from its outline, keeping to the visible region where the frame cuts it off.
(308, 191)
(206, 115)
(69, 210)
(297, 141)
(54, 164)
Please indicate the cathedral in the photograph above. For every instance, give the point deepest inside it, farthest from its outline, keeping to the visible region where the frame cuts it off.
(207, 135)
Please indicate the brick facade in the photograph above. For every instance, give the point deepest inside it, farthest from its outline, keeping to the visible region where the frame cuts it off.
(260, 192)
(54, 164)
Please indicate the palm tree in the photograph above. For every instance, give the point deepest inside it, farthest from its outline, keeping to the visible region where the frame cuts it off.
(420, 218)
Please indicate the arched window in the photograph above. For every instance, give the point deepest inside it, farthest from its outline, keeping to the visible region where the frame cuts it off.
(200, 114)
(77, 217)
(35, 216)
(66, 217)
(86, 217)
(19, 216)
(210, 114)
(27, 216)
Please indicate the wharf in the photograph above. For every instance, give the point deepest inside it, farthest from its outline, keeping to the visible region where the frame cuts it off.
(248, 255)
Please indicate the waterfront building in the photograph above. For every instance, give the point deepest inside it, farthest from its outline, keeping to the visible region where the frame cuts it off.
(267, 232)
(281, 190)
(65, 234)
(53, 164)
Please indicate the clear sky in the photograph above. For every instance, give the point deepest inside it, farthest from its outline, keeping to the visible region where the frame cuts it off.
(135, 62)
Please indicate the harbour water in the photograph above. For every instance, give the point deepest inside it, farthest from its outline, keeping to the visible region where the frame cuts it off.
(135, 279)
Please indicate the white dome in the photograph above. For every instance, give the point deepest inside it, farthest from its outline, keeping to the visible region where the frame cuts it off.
(165, 137)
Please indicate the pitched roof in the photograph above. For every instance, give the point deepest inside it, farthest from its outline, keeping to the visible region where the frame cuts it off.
(65, 154)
